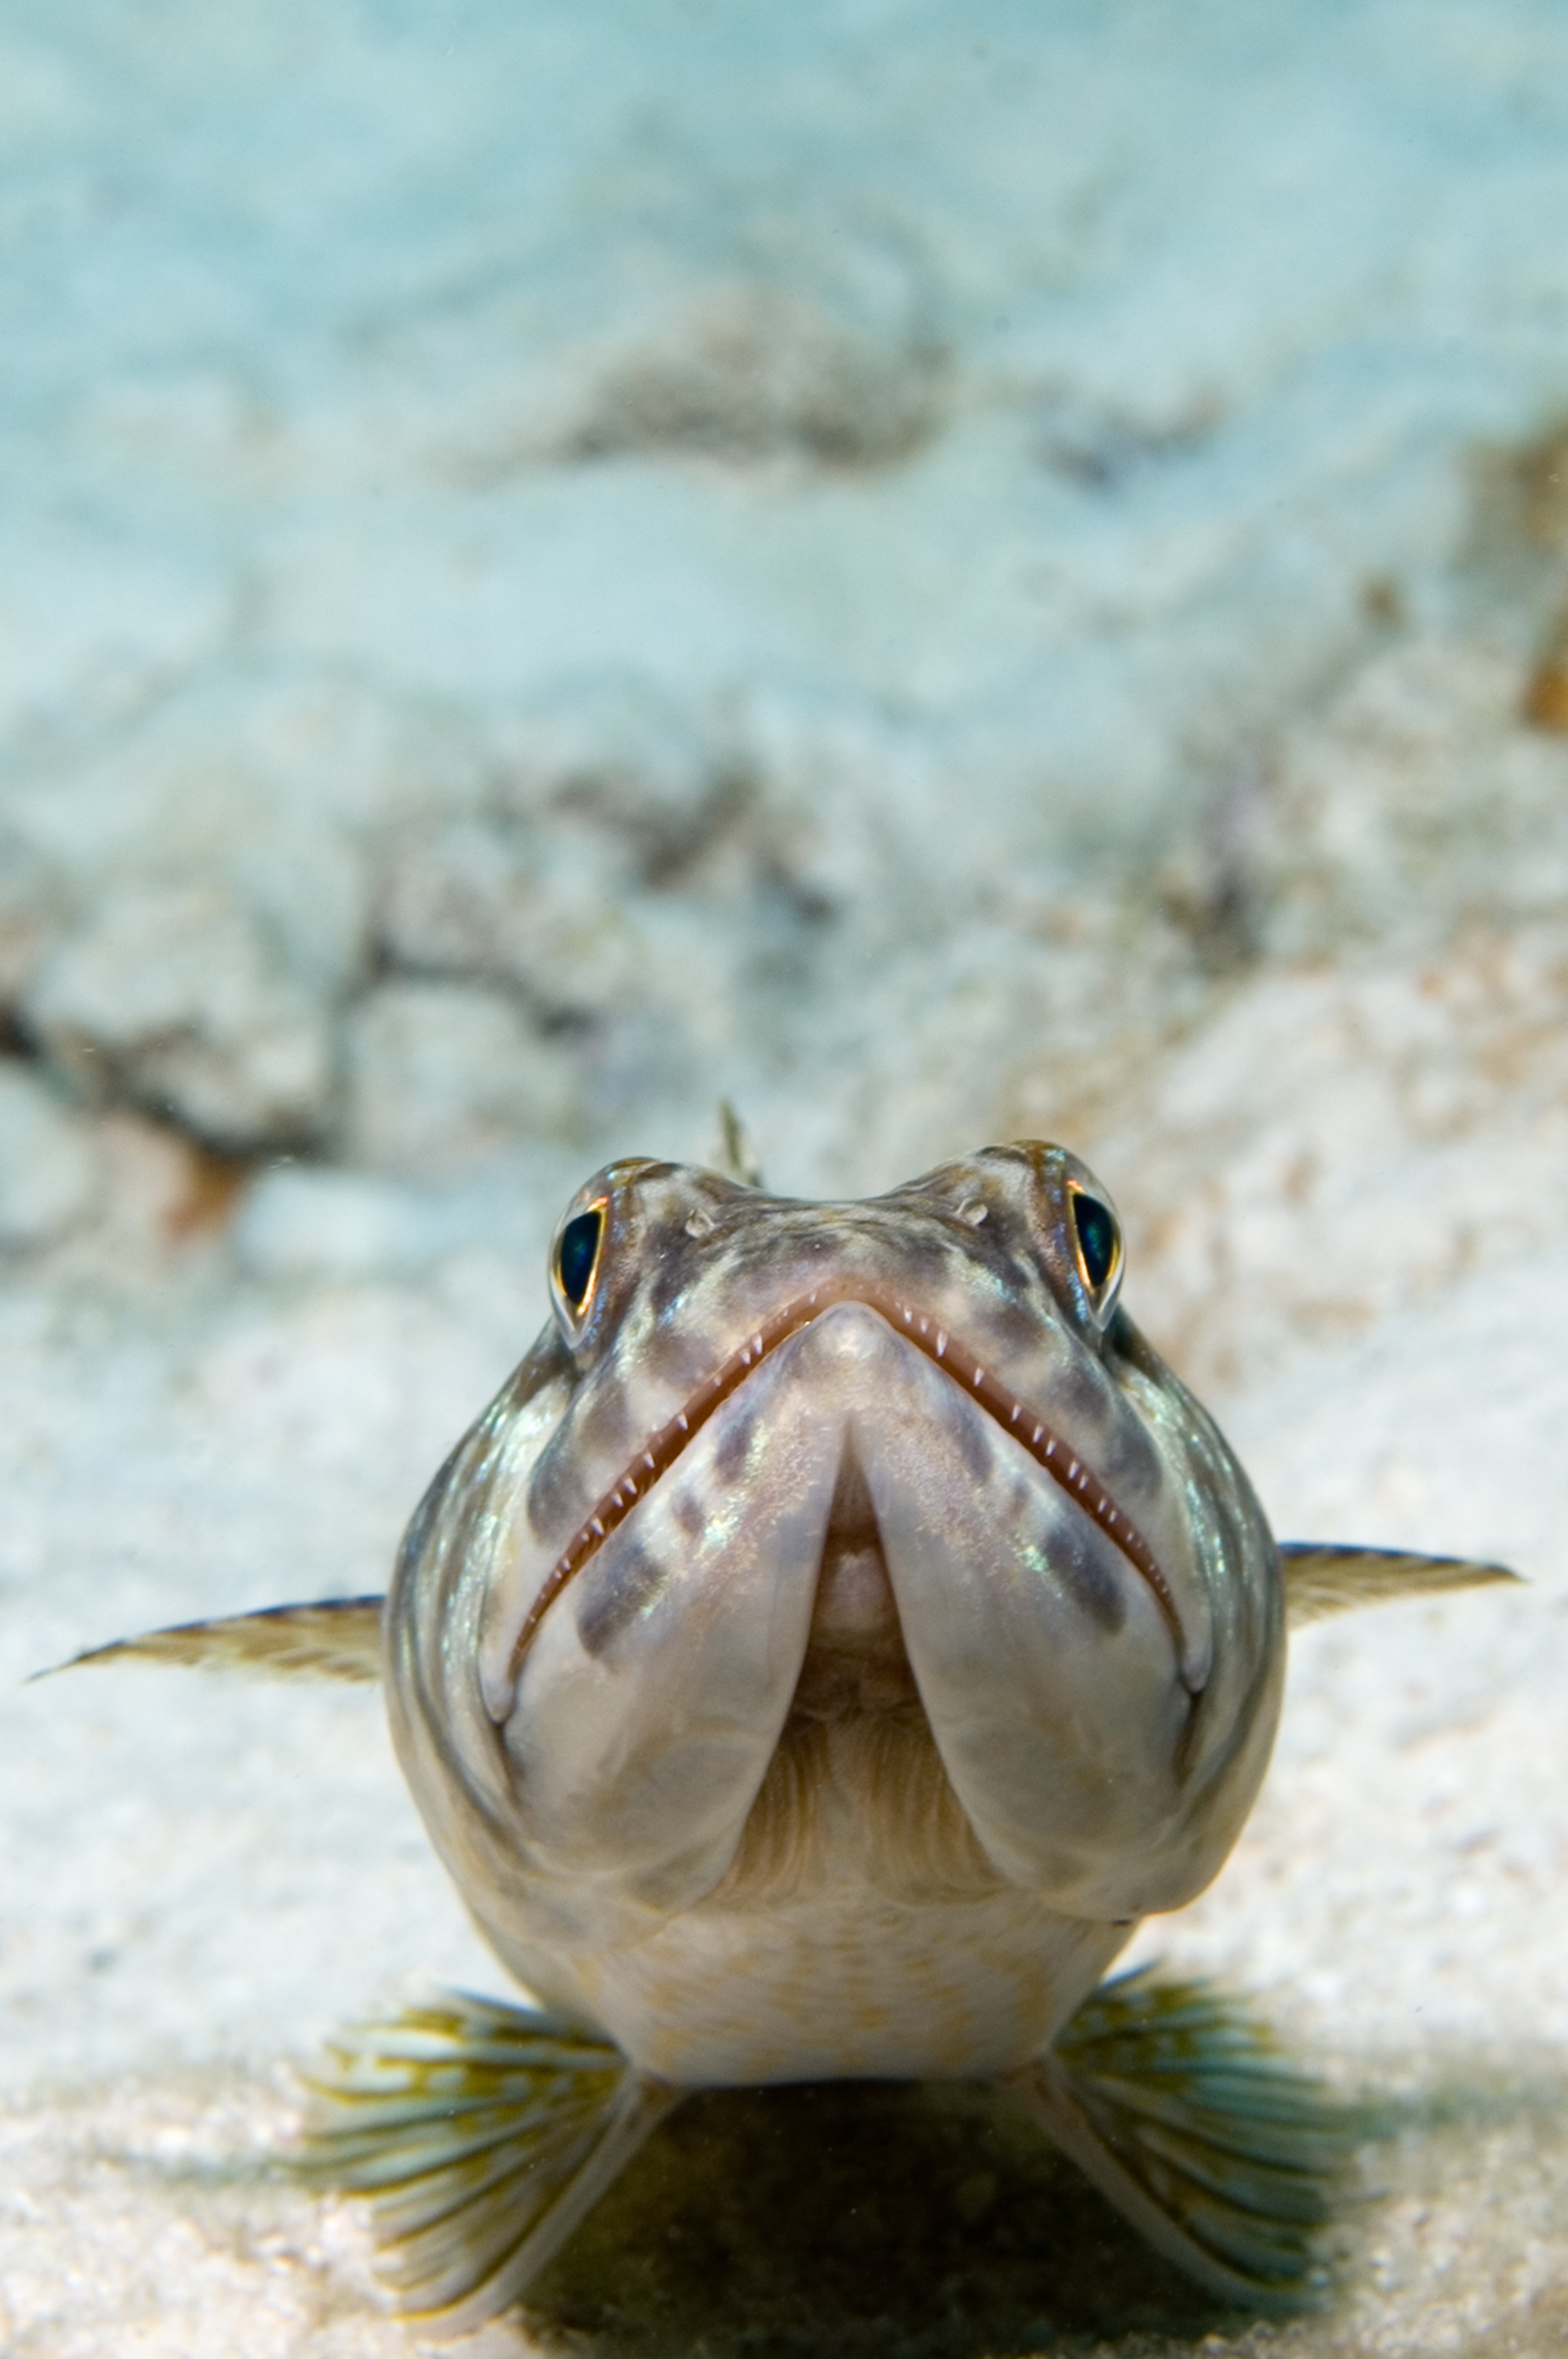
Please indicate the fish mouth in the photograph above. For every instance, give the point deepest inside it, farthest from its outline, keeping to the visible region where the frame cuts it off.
(856, 1659)
(964, 1368)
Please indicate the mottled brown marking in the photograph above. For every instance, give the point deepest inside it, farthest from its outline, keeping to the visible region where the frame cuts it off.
(1078, 1563)
(734, 1445)
(1013, 1321)
(625, 1581)
(602, 1427)
(691, 1514)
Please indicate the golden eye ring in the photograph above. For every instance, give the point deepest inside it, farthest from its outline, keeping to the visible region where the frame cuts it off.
(1096, 1248)
(576, 1258)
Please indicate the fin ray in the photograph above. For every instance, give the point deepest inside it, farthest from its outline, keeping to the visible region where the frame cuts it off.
(1175, 2103)
(1321, 1580)
(482, 2133)
(738, 1156)
(338, 1639)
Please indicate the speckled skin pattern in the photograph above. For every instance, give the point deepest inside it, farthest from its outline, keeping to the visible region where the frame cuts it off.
(837, 1633)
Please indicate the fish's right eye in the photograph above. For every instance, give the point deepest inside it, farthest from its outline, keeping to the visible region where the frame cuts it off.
(574, 1266)
(1097, 1239)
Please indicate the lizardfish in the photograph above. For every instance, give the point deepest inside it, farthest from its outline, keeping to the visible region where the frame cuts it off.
(834, 1638)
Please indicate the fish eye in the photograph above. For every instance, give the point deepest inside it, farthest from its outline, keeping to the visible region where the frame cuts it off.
(574, 1265)
(1097, 1236)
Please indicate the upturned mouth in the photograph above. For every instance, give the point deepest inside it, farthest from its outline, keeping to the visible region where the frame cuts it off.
(856, 1659)
(959, 1364)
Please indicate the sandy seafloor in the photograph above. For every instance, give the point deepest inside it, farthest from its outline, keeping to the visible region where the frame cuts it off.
(950, 573)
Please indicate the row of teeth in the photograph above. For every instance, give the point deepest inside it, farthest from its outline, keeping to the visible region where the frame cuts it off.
(1076, 1475)
(610, 1509)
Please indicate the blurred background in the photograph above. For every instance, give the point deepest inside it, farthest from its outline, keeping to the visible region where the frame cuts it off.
(942, 573)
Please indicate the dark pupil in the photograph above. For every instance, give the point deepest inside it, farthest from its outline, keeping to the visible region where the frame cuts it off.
(1097, 1239)
(576, 1255)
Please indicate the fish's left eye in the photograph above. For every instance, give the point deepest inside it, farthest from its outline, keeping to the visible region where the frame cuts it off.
(1097, 1239)
(574, 1265)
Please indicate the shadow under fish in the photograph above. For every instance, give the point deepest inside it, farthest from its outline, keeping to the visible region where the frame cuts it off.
(836, 1636)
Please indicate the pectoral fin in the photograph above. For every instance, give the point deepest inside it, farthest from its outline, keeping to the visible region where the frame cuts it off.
(338, 1639)
(1228, 2160)
(484, 2134)
(1323, 1581)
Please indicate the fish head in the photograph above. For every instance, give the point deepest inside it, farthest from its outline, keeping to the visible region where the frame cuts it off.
(774, 1460)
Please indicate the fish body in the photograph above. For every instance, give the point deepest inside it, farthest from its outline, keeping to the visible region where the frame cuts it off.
(858, 1744)
(834, 1638)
